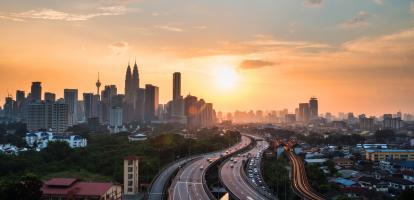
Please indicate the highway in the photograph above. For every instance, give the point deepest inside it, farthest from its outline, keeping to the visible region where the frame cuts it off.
(300, 182)
(232, 175)
(156, 191)
(188, 184)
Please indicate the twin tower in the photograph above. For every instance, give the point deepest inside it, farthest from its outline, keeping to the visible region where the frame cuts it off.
(131, 83)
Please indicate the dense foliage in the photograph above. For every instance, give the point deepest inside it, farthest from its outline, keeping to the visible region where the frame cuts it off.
(276, 176)
(103, 157)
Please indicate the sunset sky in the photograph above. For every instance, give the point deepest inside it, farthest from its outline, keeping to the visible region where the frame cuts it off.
(354, 55)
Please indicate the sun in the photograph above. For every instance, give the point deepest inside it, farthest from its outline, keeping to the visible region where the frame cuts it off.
(226, 77)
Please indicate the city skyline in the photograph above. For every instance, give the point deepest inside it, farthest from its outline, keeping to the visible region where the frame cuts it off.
(352, 60)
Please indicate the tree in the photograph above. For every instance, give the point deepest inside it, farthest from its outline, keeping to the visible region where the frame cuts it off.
(28, 187)
(56, 151)
(406, 194)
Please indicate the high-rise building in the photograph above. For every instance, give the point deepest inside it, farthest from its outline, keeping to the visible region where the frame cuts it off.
(176, 106)
(47, 115)
(36, 91)
(60, 116)
(132, 94)
(303, 112)
(20, 96)
(366, 123)
(115, 119)
(8, 108)
(131, 172)
(106, 100)
(390, 122)
(313, 108)
(176, 85)
(151, 102)
(98, 85)
(38, 116)
(91, 105)
(71, 98)
(50, 97)
(81, 112)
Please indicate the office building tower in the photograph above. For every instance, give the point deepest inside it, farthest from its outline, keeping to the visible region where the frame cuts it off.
(366, 123)
(20, 96)
(60, 116)
(36, 92)
(151, 102)
(132, 94)
(50, 97)
(71, 98)
(106, 101)
(176, 85)
(176, 106)
(115, 119)
(131, 174)
(303, 112)
(37, 116)
(390, 122)
(313, 108)
(290, 118)
(91, 105)
(81, 111)
(8, 108)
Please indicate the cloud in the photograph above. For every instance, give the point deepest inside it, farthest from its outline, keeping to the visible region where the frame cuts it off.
(357, 21)
(50, 14)
(380, 2)
(119, 47)
(199, 27)
(169, 28)
(254, 64)
(412, 7)
(313, 3)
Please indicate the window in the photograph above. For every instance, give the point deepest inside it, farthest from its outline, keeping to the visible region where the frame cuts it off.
(129, 183)
(129, 169)
(129, 189)
(129, 162)
(129, 176)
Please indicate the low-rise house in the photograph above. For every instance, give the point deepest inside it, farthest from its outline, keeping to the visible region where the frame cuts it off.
(408, 175)
(137, 137)
(373, 184)
(344, 162)
(8, 149)
(69, 188)
(399, 184)
(40, 140)
(389, 154)
(315, 161)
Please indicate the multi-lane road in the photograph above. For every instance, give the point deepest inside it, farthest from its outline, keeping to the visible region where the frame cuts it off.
(160, 183)
(231, 175)
(189, 183)
(300, 182)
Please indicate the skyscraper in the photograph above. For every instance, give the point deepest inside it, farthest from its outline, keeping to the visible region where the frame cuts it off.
(132, 105)
(176, 85)
(313, 108)
(304, 112)
(151, 102)
(50, 97)
(107, 94)
(71, 98)
(60, 116)
(36, 91)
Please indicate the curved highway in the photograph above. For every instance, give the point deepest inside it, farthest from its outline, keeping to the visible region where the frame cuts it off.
(236, 182)
(157, 190)
(189, 182)
(300, 182)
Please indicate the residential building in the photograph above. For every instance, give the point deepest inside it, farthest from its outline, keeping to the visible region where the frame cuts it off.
(71, 99)
(389, 154)
(131, 172)
(69, 188)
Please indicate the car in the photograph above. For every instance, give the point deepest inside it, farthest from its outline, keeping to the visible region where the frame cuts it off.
(201, 167)
(231, 166)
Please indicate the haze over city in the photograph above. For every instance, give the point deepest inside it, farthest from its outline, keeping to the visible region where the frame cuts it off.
(237, 54)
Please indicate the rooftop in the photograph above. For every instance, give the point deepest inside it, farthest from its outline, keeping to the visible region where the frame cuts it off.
(68, 186)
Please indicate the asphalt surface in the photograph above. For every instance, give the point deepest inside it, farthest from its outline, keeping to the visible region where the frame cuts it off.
(161, 182)
(188, 183)
(300, 182)
(231, 175)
